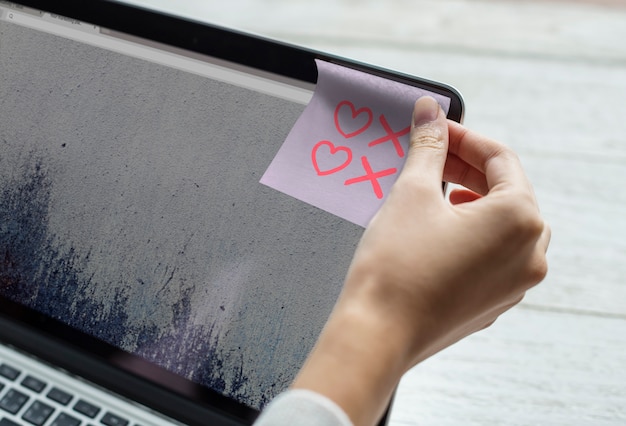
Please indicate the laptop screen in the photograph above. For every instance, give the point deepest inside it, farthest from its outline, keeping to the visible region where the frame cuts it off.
(131, 208)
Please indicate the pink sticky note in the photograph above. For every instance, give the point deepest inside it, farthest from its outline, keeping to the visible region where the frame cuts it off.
(345, 151)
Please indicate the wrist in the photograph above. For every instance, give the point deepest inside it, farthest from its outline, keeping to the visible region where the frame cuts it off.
(413, 311)
(357, 362)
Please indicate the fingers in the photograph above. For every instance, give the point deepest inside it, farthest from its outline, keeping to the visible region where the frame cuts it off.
(444, 150)
(458, 171)
(428, 145)
(498, 163)
(460, 196)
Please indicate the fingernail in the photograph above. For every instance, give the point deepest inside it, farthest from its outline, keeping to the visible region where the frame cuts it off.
(426, 110)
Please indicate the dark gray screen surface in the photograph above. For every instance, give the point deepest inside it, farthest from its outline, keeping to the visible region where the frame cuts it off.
(131, 209)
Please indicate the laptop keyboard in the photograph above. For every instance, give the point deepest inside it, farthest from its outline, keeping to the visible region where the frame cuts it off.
(30, 398)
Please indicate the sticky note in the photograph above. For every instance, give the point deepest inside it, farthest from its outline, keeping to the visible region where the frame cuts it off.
(347, 148)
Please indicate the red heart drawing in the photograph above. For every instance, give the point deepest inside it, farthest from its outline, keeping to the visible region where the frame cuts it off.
(354, 119)
(333, 151)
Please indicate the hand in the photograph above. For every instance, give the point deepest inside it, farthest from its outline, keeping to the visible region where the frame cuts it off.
(429, 272)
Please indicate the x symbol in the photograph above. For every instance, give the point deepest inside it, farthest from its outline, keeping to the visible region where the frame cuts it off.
(372, 177)
(391, 136)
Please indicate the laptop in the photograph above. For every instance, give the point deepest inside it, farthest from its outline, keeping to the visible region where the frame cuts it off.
(148, 273)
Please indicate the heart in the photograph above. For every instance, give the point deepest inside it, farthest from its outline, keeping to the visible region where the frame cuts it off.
(356, 117)
(333, 151)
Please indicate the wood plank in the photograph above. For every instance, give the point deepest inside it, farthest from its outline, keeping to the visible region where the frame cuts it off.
(531, 367)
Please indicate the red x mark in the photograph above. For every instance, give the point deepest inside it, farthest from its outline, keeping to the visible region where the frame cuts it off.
(391, 136)
(371, 176)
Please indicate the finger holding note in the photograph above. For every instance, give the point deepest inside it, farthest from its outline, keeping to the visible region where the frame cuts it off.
(428, 272)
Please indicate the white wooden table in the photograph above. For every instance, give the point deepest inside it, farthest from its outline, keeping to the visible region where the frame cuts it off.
(550, 80)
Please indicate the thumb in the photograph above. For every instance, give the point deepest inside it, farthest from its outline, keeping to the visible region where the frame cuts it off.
(428, 144)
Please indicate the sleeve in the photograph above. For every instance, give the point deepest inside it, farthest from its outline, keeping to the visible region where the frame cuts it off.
(300, 407)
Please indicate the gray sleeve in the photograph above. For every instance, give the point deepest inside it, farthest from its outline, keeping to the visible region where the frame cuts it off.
(301, 407)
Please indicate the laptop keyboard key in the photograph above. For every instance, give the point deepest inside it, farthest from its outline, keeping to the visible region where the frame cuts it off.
(9, 372)
(13, 401)
(86, 408)
(38, 413)
(33, 384)
(32, 398)
(110, 419)
(64, 420)
(60, 396)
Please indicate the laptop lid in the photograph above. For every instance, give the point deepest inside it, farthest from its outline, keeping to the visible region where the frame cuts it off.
(143, 243)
